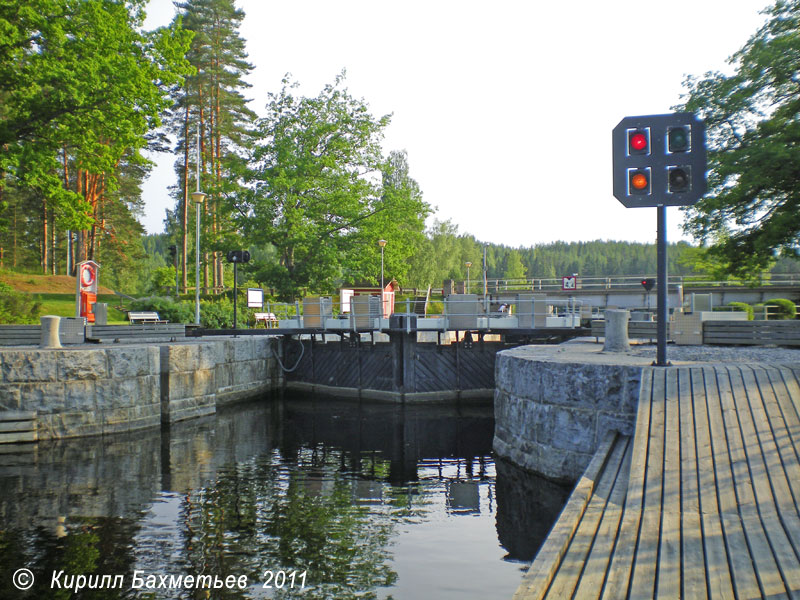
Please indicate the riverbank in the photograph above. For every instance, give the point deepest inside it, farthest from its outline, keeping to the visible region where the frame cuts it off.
(93, 389)
(554, 404)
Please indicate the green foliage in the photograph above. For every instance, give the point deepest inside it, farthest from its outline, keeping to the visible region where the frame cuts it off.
(443, 254)
(163, 277)
(514, 269)
(81, 89)
(17, 307)
(215, 313)
(751, 211)
(781, 309)
(167, 308)
(317, 199)
(743, 307)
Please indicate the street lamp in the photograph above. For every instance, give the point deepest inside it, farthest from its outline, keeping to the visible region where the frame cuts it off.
(198, 197)
(485, 280)
(469, 264)
(382, 244)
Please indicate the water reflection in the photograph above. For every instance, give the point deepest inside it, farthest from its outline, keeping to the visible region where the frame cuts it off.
(368, 500)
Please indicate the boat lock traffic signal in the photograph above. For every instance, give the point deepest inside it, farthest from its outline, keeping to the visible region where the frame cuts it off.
(659, 160)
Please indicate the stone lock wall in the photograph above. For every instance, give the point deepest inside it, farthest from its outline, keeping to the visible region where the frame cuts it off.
(108, 389)
(551, 412)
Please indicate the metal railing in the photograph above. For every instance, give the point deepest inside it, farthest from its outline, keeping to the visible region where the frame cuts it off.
(538, 284)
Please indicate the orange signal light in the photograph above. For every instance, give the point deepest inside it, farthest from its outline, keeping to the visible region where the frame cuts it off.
(639, 181)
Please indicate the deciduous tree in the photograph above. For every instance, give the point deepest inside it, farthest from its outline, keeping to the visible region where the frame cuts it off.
(752, 210)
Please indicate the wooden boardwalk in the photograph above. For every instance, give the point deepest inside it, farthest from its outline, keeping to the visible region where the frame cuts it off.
(701, 503)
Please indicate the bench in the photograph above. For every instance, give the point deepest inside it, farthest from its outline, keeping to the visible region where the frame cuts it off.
(143, 316)
(143, 332)
(269, 319)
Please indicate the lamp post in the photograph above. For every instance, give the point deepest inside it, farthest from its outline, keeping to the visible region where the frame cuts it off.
(198, 197)
(469, 264)
(485, 280)
(382, 244)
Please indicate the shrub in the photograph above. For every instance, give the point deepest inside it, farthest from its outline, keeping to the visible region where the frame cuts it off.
(218, 314)
(17, 307)
(781, 308)
(743, 307)
(174, 312)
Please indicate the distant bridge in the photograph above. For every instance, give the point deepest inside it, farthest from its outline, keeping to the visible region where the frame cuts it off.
(628, 292)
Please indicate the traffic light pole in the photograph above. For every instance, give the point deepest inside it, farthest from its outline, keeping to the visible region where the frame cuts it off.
(234, 295)
(661, 286)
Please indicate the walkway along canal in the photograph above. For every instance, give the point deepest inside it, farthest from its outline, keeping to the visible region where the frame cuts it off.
(697, 497)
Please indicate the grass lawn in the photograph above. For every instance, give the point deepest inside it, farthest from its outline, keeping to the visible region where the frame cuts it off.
(63, 305)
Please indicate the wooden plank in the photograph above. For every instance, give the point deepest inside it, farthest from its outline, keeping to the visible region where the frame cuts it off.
(784, 469)
(643, 582)
(784, 472)
(692, 549)
(6, 426)
(595, 570)
(668, 584)
(750, 475)
(619, 572)
(17, 415)
(572, 569)
(714, 482)
(788, 405)
(15, 437)
(538, 578)
(767, 472)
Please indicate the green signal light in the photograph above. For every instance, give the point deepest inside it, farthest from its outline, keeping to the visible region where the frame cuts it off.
(678, 139)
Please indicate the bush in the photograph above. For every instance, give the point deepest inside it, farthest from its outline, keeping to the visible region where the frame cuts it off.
(174, 312)
(217, 314)
(742, 307)
(17, 307)
(781, 308)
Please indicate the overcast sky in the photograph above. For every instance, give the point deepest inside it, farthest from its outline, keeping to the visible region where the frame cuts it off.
(505, 108)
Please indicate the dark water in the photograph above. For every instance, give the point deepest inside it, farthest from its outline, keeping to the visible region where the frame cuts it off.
(295, 498)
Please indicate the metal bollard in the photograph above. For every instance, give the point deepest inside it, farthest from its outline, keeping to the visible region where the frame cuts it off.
(49, 336)
(616, 335)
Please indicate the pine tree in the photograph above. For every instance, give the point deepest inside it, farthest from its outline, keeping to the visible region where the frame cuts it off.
(211, 104)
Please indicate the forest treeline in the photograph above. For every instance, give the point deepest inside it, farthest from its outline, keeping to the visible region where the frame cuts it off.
(307, 187)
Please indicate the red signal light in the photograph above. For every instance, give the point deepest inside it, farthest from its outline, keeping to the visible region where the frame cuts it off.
(638, 141)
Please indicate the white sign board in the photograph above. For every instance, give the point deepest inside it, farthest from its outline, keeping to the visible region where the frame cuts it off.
(255, 298)
(345, 297)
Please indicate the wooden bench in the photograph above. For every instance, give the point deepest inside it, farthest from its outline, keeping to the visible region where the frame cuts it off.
(144, 316)
(143, 332)
(269, 319)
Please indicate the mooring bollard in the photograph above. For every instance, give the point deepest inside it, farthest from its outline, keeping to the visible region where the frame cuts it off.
(49, 337)
(616, 334)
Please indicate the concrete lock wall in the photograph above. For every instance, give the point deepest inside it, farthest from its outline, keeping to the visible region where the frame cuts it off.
(551, 414)
(90, 391)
